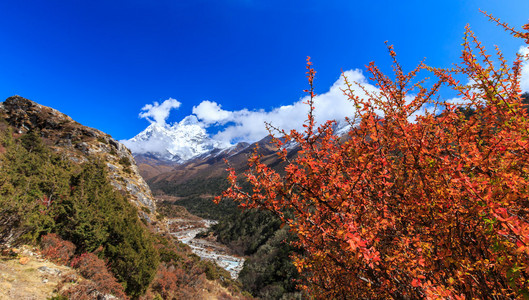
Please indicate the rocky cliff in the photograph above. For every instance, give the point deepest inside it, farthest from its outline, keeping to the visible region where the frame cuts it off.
(79, 143)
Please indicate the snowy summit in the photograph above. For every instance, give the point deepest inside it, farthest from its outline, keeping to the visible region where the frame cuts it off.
(178, 142)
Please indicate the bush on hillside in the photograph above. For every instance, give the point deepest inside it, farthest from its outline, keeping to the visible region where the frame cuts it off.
(99, 280)
(57, 249)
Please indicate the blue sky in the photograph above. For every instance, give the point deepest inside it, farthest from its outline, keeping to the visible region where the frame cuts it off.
(101, 62)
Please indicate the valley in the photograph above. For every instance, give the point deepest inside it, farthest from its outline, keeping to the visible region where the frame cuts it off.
(189, 230)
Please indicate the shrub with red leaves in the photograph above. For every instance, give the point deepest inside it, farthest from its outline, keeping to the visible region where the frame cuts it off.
(176, 283)
(57, 249)
(101, 281)
(425, 198)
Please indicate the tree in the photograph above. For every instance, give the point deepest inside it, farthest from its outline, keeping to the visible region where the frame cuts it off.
(412, 203)
(32, 178)
(96, 215)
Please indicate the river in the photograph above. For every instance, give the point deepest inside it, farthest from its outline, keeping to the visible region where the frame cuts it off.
(186, 231)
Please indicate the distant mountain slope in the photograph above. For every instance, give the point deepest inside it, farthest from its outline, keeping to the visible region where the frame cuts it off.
(150, 166)
(184, 151)
(212, 165)
(161, 173)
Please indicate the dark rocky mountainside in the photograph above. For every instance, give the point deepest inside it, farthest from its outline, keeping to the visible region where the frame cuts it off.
(78, 143)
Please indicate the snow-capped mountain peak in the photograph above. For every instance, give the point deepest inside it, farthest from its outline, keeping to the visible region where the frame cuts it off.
(178, 142)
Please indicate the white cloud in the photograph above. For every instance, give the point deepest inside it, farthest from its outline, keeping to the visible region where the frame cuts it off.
(153, 145)
(524, 81)
(458, 101)
(211, 113)
(249, 126)
(158, 113)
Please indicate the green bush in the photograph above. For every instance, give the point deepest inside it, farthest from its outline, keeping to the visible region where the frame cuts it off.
(125, 161)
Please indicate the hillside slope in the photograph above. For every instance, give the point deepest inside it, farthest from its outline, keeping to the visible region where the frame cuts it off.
(79, 143)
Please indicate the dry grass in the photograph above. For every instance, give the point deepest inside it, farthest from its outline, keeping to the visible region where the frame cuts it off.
(27, 281)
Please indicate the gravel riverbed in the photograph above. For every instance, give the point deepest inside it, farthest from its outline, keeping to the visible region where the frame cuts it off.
(207, 248)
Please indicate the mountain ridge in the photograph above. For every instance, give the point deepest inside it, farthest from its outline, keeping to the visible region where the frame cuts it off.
(78, 142)
(211, 163)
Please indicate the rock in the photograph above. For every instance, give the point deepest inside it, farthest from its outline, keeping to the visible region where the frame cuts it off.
(51, 271)
(23, 260)
(106, 297)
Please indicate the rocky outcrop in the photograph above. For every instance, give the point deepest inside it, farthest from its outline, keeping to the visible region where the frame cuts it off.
(79, 143)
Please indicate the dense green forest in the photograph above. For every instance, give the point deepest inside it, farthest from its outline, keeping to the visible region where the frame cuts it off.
(196, 196)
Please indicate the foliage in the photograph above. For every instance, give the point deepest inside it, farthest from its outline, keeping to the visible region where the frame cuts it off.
(100, 280)
(32, 178)
(96, 216)
(205, 208)
(214, 272)
(269, 272)
(173, 284)
(57, 249)
(193, 187)
(125, 161)
(182, 275)
(244, 232)
(195, 196)
(412, 204)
